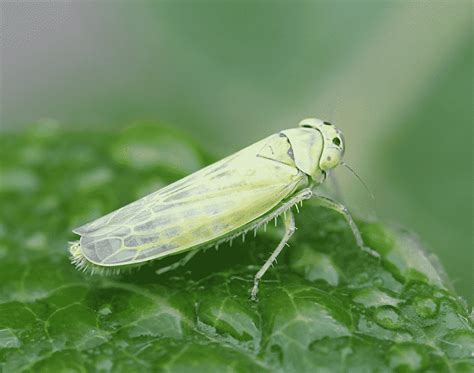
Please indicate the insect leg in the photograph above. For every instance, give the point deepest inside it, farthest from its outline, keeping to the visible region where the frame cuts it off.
(340, 208)
(289, 221)
(293, 201)
(178, 263)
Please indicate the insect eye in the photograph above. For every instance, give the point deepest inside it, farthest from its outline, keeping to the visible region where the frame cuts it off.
(328, 123)
(336, 141)
(306, 126)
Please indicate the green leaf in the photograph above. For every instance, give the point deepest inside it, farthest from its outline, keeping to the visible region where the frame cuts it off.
(326, 305)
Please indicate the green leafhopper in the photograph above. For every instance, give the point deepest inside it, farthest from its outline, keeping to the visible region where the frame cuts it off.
(220, 202)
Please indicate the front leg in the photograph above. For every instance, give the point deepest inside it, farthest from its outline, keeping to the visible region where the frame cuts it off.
(341, 209)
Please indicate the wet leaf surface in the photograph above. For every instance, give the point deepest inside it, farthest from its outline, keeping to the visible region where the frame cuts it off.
(326, 305)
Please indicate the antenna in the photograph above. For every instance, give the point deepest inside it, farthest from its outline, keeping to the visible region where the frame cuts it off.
(360, 179)
(337, 187)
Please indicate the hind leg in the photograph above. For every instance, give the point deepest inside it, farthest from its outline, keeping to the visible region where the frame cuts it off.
(290, 229)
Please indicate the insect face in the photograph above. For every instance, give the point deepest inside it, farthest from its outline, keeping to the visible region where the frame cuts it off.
(333, 142)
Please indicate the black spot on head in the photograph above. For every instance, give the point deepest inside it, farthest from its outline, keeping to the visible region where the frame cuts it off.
(291, 154)
(336, 141)
(306, 126)
(328, 123)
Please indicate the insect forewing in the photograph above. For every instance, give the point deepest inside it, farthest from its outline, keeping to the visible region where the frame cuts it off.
(200, 208)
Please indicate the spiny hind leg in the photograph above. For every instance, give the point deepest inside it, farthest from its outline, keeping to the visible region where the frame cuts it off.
(341, 209)
(289, 221)
(285, 206)
(179, 263)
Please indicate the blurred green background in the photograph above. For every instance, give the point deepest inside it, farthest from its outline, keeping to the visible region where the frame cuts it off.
(395, 76)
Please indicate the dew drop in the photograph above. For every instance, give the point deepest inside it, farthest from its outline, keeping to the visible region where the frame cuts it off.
(362, 277)
(105, 310)
(387, 317)
(314, 266)
(403, 336)
(378, 281)
(374, 298)
(426, 307)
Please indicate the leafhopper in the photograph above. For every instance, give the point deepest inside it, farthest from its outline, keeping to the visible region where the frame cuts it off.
(220, 202)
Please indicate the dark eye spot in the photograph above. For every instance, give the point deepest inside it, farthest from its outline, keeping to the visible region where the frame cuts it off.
(336, 141)
(328, 123)
(306, 126)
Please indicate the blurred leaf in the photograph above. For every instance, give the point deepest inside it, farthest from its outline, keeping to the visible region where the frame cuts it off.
(326, 306)
(428, 171)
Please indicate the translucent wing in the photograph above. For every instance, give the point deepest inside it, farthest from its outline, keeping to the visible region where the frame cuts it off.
(197, 209)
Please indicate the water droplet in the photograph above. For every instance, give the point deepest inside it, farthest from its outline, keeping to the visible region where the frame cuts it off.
(387, 317)
(426, 307)
(105, 310)
(370, 297)
(362, 277)
(378, 281)
(314, 266)
(403, 336)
